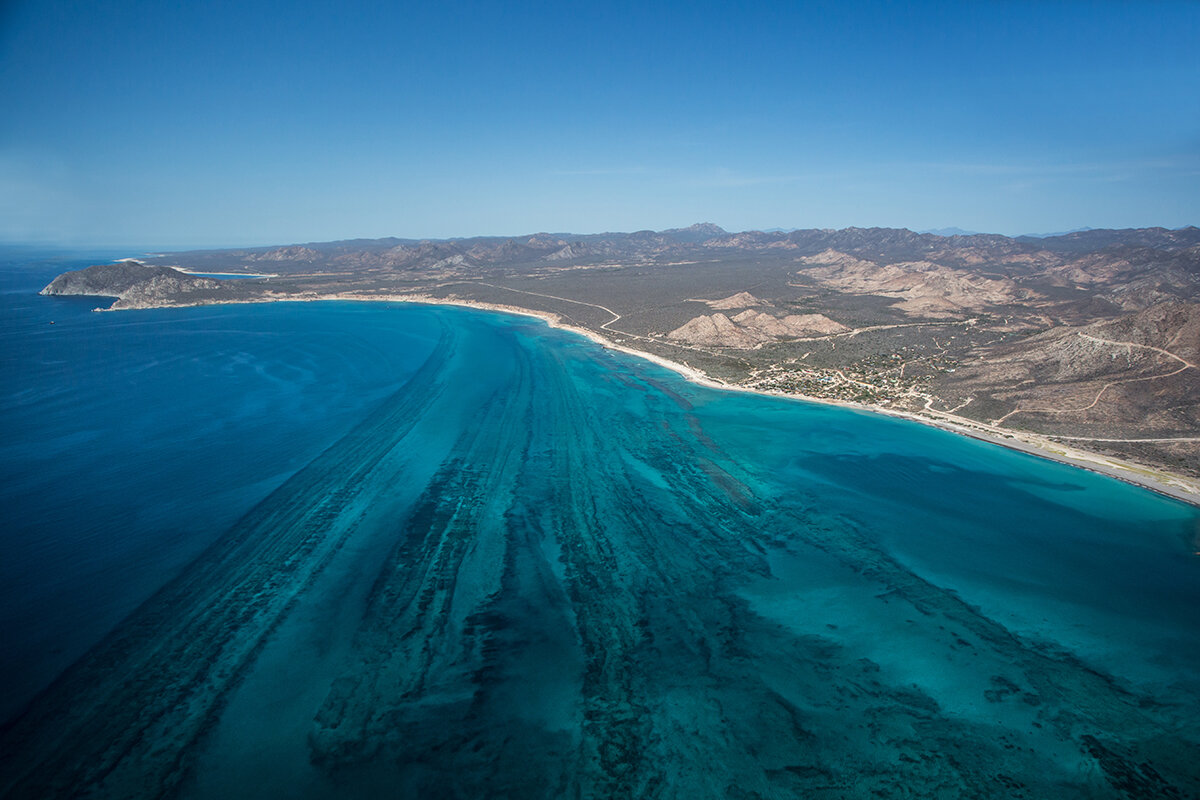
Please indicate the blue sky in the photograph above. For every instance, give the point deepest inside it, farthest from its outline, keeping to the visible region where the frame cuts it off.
(230, 123)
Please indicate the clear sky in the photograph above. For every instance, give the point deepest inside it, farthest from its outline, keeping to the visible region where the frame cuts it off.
(251, 122)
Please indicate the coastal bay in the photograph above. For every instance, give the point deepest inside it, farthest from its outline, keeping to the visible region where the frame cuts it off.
(540, 567)
(1062, 359)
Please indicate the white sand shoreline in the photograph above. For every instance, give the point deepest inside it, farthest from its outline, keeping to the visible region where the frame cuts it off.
(1167, 484)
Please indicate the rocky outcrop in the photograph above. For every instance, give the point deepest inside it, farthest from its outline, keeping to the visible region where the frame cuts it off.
(793, 325)
(715, 330)
(739, 300)
(834, 258)
(565, 253)
(135, 285)
(923, 287)
(752, 328)
(292, 253)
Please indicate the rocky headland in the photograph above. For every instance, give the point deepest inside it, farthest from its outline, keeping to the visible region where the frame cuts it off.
(138, 285)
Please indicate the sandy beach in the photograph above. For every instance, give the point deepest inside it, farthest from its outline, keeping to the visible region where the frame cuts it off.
(1044, 447)
(1175, 486)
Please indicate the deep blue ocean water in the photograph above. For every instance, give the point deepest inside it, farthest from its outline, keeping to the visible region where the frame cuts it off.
(609, 560)
(128, 442)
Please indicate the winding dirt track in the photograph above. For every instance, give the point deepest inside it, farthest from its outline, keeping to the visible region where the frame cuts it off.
(1186, 366)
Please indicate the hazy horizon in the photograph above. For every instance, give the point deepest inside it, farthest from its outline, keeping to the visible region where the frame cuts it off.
(125, 249)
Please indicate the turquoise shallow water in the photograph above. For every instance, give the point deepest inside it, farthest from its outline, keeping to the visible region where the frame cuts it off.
(401, 551)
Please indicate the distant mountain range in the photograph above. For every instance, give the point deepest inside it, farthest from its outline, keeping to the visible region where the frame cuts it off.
(950, 232)
(1049, 235)
(703, 238)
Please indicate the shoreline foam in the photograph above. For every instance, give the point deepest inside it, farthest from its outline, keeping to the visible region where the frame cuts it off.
(1174, 486)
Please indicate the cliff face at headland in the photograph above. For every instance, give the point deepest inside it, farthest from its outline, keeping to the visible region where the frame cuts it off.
(1089, 338)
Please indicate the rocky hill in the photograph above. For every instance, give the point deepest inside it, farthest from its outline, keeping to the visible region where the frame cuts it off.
(137, 285)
